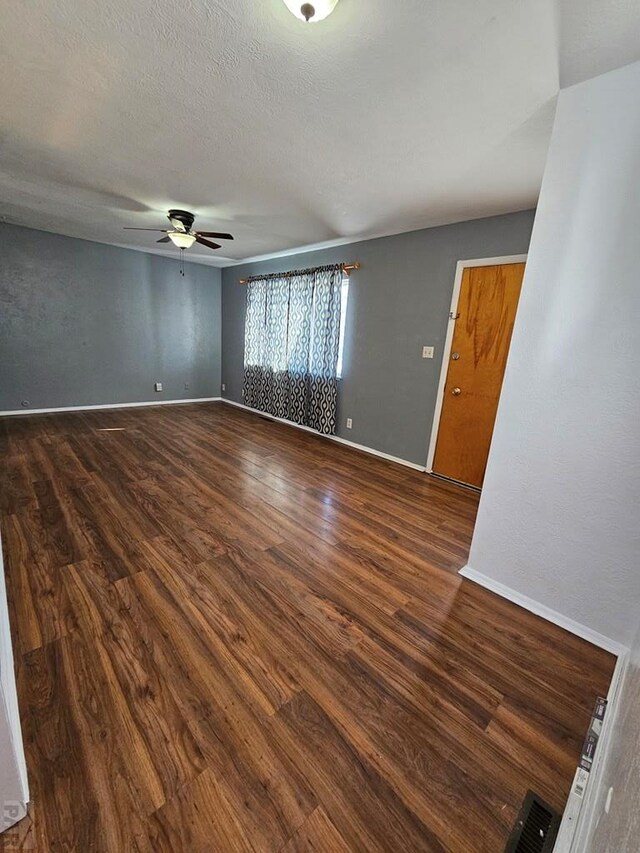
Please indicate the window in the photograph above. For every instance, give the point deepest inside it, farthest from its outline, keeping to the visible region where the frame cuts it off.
(344, 299)
(294, 340)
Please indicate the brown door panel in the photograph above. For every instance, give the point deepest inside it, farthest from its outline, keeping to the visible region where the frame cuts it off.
(486, 314)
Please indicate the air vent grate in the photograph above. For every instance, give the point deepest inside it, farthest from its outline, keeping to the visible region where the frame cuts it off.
(535, 829)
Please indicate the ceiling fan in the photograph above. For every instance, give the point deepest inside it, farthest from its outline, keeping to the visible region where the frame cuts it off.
(182, 235)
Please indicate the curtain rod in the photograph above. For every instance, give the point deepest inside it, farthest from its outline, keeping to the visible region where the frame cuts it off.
(348, 268)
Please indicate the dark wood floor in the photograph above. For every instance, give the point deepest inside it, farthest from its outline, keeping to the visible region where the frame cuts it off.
(233, 635)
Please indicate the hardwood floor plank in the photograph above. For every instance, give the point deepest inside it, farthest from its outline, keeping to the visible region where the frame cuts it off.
(469, 692)
(236, 644)
(327, 569)
(317, 834)
(108, 630)
(38, 599)
(199, 819)
(298, 608)
(502, 654)
(65, 811)
(346, 782)
(226, 719)
(547, 763)
(497, 670)
(197, 539)
(429, 770)
(17, 493)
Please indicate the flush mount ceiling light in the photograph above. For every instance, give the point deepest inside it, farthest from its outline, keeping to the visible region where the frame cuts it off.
(311, 12)
(181, 239)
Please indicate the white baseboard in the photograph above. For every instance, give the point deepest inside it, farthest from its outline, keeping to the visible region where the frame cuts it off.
(546, 612)
(344, 441)
(108, 406)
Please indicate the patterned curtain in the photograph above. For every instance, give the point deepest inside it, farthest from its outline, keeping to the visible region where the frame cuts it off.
(292, 335)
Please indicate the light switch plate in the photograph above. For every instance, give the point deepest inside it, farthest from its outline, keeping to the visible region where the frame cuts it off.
(427, 352)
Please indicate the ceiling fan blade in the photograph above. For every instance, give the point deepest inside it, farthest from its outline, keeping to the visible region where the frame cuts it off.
(215, 234)
(164, 240)
(208, 243)
(129, 228)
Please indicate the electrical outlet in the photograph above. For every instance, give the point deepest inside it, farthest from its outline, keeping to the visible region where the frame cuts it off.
(224, 387)
(158, 386)
(349, 423)
(186, 386)
(427, 352)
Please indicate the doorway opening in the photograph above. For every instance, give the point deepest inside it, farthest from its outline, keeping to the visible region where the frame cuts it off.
(483, 310)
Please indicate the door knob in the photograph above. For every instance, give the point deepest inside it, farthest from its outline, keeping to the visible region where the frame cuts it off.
(456, 392)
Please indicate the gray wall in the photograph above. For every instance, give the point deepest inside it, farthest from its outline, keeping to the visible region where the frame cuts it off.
(82, 323)
(399, 301)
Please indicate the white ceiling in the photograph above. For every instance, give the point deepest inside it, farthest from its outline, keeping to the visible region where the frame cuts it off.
(389, 115)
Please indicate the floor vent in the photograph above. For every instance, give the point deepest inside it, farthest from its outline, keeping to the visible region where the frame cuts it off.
(535, 829)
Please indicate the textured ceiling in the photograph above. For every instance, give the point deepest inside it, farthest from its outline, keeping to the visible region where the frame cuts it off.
(385, 117)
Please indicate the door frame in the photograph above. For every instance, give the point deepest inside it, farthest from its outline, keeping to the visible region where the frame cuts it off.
(448, 341)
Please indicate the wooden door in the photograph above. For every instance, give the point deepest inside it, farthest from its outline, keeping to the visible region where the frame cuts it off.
(486, 313)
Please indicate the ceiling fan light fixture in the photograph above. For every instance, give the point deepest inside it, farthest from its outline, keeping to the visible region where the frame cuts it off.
(312, 12)
(181, 239)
